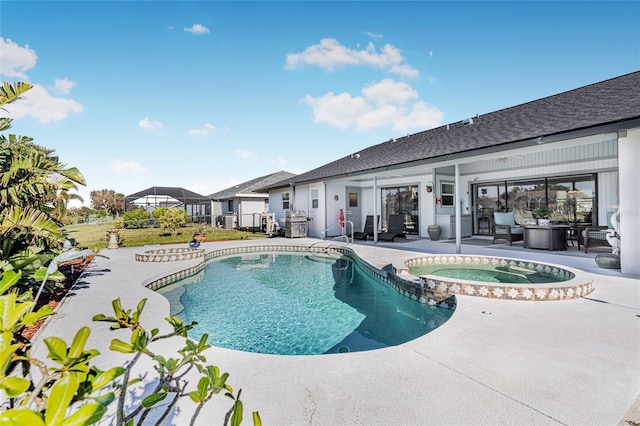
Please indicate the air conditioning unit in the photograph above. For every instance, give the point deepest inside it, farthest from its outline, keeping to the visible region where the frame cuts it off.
(230, 222)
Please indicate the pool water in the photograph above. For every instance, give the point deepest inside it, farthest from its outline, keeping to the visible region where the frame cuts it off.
(296, 304)
(489, 273)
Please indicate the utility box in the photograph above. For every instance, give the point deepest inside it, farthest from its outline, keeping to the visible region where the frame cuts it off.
(230, 222)
(295, 224)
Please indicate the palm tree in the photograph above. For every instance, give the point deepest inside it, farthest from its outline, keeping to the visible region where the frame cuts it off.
(33, 185)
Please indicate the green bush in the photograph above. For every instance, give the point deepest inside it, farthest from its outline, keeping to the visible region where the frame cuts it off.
(173, 219)
(136, 219)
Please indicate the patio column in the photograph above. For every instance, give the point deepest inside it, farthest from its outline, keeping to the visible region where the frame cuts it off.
(629, 175)
(458, 199)
(375, 209)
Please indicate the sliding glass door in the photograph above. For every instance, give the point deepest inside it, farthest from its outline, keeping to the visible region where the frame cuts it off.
(401, 200)
(568, 199)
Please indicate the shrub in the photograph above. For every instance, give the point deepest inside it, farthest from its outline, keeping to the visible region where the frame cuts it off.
(173, 219)
(158, 214)
(135, 219)
(73, 392)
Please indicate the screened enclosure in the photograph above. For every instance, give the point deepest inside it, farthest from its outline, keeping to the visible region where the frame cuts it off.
(198, 207)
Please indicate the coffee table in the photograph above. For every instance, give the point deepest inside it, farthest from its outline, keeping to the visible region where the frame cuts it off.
(552, 237)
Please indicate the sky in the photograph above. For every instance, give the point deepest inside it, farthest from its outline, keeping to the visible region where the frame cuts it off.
(208, 94)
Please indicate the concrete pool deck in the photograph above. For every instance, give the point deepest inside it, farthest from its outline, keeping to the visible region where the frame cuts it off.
(573, 362)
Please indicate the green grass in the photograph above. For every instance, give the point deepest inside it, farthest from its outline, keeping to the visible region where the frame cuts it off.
(93, 236)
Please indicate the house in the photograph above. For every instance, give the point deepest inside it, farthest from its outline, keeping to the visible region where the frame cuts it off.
(576, 153)
(242, 205)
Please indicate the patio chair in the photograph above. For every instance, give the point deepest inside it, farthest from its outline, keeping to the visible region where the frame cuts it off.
(394, 230)
(592, 236)
(505, 228)
(367, 231)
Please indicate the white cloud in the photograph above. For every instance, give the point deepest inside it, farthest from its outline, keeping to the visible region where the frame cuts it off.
(197, 29)
(148, 124)
(127, 166)
(386, 103)
(279, 161)
(337, 110)
(202, 131)
(329, 54)
(64, 85)
(38, 103)
(373, 35)
(241, 153)
(16, 60)
(388, 91)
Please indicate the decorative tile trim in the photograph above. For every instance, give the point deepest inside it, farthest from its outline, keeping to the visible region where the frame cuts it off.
(578, 284)
(170, 255)
(174, 277)
(408, 287)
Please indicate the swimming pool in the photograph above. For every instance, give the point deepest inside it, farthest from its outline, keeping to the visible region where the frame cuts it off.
(298, 304)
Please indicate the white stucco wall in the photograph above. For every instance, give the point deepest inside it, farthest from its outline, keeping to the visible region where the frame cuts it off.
(249, 211)
(629, 174)
(275, 204)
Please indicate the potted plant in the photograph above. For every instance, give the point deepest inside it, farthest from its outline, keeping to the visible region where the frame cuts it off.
(200, 235)
(542, 215)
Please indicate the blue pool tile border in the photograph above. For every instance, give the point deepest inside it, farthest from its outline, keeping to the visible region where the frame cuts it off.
(410, 286)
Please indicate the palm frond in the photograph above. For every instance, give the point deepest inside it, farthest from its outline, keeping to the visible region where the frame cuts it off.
(10, 92)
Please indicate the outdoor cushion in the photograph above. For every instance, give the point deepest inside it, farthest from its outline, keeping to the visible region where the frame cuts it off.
(508, 219)
(523, 217)
(595, 235)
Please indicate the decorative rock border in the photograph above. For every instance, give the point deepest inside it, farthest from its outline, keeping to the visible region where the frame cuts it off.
(579, 284)
(170, 255)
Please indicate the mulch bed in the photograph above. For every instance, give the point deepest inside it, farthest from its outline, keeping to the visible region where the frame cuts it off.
(72, 271)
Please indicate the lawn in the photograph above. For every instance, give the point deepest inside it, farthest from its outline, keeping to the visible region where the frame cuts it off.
(93, 236)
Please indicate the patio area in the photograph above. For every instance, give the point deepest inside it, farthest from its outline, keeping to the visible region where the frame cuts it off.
(494, 362)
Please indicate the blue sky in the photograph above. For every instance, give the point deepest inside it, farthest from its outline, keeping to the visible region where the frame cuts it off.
(208, 94)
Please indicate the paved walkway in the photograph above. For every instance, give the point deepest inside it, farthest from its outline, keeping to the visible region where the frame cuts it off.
(574, 362)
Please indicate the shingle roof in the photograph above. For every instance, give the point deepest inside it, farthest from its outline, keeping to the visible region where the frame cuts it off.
(252, 186)
(607, 102)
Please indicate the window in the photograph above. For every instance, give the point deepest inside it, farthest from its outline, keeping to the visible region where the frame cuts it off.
(353, 199)
(447, 194)
(314, 198)
(230, 206)
(285, 201)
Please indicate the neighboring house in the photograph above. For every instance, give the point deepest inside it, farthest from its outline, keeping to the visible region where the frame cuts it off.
(242, 205)
(576, 153)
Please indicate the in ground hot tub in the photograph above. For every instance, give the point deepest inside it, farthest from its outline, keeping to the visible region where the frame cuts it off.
(499, 278)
